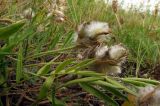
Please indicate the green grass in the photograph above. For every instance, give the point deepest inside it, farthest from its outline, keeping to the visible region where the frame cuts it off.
(32, 53)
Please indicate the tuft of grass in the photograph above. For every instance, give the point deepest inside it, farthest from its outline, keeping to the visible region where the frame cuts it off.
(46, 55)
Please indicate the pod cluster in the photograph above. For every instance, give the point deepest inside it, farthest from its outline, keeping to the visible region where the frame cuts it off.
(96, 36)
(55, 10)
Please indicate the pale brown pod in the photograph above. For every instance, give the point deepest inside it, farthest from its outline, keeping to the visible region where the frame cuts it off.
(92, 33)
(149, 96)
(109, 59)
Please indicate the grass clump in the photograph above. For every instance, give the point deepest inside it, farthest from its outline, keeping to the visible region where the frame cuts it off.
(38, 55)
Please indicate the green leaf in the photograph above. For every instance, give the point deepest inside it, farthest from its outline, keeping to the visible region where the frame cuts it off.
(154, 82)
(88, 73)
(19, 69)
(44, 70)
(46, 67)
(87, 79)
(9, 30)
(55, 40)
(81, 65)
(134, 82)
(115, 92)
(104, 83)
(57, 101)
(53, 93)
(49, 52)
(46, 87)
(62, 65)
(6, 49)
(114, 82)
(49, 81)
(68, 39)
(72, 10)
(98, 94)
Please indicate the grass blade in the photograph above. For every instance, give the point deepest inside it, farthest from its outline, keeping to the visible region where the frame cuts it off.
(19, 69)
(55, 41)
(45, 68)
(104, 83)
(81, 65)
(154, 82)
(72, 10)
(62, 65)
(49, 81)
(46, 87)
(68, 39)
(136, 83)
(87, 79)
(88, 73)
(9, 30)
(53, 93)
(49, 52)
(115, 92)
(98, 94)
(114, 82)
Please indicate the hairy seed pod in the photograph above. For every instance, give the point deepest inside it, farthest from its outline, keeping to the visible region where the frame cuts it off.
(149, 96)
(115, 6)
(155, 11)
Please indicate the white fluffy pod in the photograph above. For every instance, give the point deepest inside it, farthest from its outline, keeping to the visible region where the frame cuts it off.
(56, 9)
(101, 52)
(107, 64)
(95, 28)
(118, 53)
(29, 13)
(156, 96)
(59, 16)
(90, 33)
(149, 96)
